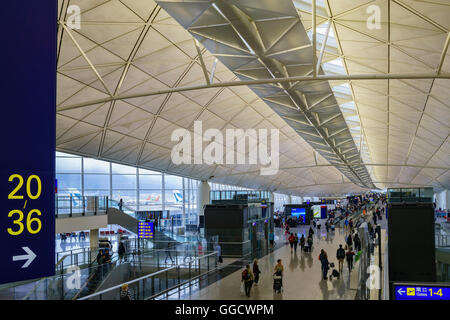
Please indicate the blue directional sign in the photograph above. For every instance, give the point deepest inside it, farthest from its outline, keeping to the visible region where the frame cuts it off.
(27, 171)
(146, 230)
(421, 292)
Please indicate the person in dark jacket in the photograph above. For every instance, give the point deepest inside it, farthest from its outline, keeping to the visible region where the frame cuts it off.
(324, 264)
(349, 256)
(125, 293)
(349, 241)
(340, 256)
(311, 231)
(121, 251)
(256, 271)
(100, 257)
(302, 241)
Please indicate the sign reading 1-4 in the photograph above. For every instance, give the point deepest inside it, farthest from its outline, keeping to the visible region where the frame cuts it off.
(27, 171)
(422, 292)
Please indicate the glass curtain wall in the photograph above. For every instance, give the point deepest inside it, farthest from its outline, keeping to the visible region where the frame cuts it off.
(140, 189)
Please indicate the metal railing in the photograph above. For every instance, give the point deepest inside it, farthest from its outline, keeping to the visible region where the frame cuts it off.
(78, 206)
(442, 240)
(161, 282)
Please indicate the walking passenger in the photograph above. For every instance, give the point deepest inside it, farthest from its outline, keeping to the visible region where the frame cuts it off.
(271, 239)
(349, 241)
(219, 253)
(247, 277)
(324, 264)
(311, 231)
(295, 242)
(279, 269)
(302, 242)
(310, 243)
(256, 271)
(121, 251)
(349, 255)
(340, 256)
(291, 241)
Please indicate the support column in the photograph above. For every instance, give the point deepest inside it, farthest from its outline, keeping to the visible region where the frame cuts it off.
(203, 198)
(447, 200)
(289, 199)
(93, 240)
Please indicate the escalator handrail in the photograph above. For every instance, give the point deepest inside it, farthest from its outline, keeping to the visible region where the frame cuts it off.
(147, 276)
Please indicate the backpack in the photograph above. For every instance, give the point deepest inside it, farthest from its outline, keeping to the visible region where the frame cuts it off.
(245, 275)
(341, 253)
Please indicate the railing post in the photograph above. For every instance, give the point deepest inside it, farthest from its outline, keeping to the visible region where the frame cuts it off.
(153, 285)
(167, 280)
(70, 201)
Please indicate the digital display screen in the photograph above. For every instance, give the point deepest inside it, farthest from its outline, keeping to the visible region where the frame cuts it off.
(146, 230)
(297, 212)
(316, 211)
(417, 292)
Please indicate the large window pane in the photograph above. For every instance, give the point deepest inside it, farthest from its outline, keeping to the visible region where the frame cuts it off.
(121, 169)
(173, 182)
(68, 165)
(150, 182)
(69, 181)
(150, 197)
(96, 192)
(96, 181)
(174, 197)
(95, 166)
(128, 197)
(124, 181)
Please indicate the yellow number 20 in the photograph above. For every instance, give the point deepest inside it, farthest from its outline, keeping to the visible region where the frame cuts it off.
(30, 220)
(13, 195)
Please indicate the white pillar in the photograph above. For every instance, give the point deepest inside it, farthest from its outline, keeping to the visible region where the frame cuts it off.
(442, 200)
(272, 197)
(203, 197)
(289, 199)
(447, 200)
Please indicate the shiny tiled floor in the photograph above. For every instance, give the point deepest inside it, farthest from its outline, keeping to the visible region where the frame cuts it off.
(302, 278)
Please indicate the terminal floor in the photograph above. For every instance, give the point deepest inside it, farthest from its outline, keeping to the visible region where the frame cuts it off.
(302, 277)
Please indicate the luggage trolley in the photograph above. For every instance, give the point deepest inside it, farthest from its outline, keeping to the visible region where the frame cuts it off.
(278, 282)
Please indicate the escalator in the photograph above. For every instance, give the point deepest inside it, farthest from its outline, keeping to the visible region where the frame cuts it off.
(129, 219)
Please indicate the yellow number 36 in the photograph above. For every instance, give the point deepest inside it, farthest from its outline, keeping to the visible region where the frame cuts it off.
(30, 220)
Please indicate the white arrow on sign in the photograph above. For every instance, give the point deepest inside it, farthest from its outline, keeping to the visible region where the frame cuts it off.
(401, 291)
(30, 256)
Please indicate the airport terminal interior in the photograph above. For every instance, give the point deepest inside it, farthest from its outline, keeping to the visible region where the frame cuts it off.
(234, 150)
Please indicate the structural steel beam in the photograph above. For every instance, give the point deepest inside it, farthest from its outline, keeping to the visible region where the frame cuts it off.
(408, 76)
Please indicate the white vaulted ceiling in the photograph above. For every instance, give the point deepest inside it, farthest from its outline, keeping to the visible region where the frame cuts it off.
(133, 47)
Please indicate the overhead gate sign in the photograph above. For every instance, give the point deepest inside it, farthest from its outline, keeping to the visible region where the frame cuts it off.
(27, 171)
